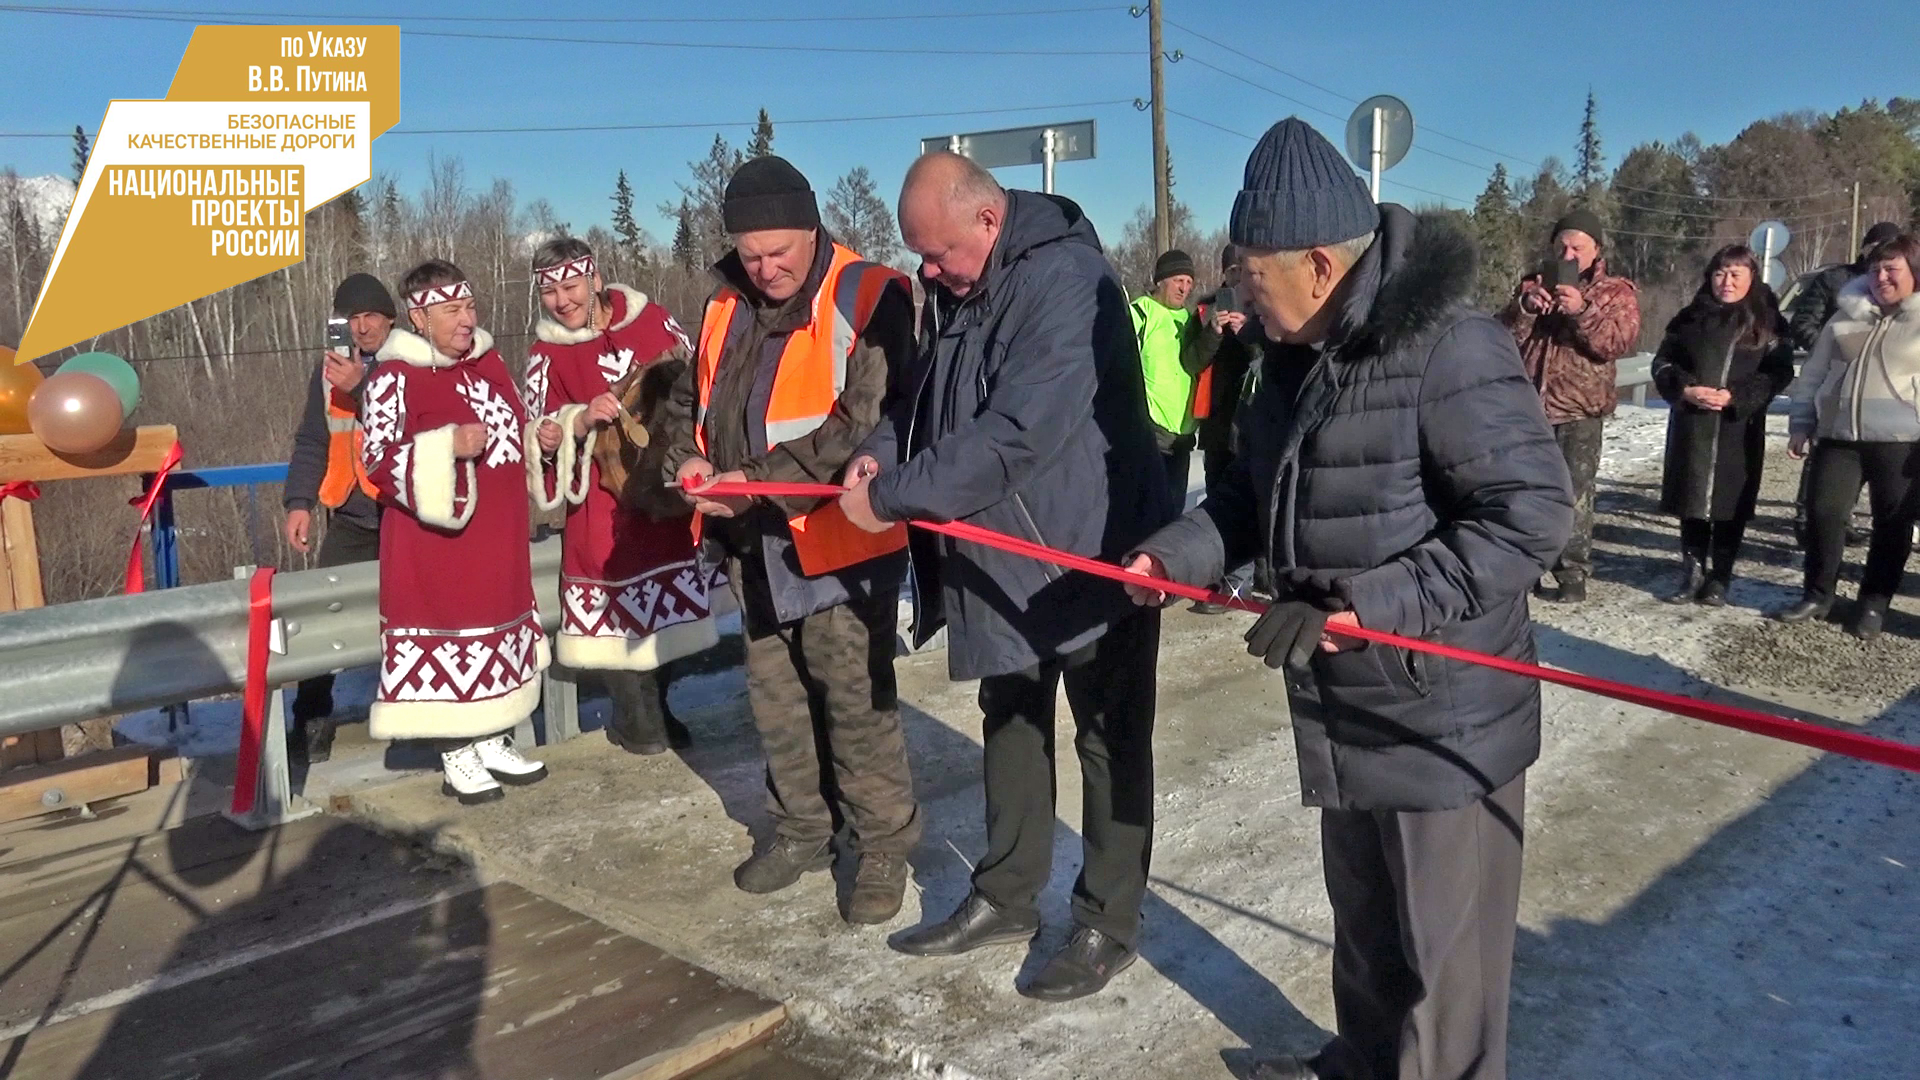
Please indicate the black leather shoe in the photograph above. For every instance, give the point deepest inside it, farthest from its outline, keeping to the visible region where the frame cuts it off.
(1283, 1068)
(1712, 594)
(1869, 618)
(975, 925)
(1572, 590)
(1692, 579)
(1207, 607)
(1812, 606)
(1090, 960)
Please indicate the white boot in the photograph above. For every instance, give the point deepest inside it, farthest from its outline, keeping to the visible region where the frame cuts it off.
(467, 778)
(499, 757)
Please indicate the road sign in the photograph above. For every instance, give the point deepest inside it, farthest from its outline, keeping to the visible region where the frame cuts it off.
(1021, 146)
(1775, 274)
(1379, 134)
(1770, 237)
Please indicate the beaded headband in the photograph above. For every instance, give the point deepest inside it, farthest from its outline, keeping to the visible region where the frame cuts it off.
(565, 271)
(439, 294)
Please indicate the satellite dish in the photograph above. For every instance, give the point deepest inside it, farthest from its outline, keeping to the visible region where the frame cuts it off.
(1396, 132)
(1769, 238)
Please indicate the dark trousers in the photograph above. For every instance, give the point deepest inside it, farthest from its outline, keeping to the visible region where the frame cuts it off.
(1580, 442)
(345, 542)
(1889, 471)
(1216, 462)
(1713, 544)
(1179, 465)
(1424, 906)
(1110, 690)
(824, 701)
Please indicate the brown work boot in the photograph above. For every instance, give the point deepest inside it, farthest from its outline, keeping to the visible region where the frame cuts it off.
(879, 886)
(782, 864)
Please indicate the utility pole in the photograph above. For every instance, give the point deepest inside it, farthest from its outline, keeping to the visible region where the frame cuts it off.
(1162, 198)
(1853, 237)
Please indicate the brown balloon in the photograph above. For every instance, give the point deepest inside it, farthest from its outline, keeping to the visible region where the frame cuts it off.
(17, 384)
(75, 413)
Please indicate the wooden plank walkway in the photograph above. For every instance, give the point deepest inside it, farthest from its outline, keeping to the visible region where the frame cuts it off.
(324, 949)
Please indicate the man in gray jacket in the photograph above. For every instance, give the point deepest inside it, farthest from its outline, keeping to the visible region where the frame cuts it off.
(1396, 465)
(1025, 413)
(325, 470)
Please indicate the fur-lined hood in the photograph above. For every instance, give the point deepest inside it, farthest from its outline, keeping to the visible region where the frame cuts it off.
(547, 329)
(407, 346)
(1856, 302)
(1420, 267)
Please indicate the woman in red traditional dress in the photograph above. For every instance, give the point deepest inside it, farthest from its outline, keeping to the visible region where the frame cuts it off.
(461, 649)
(633, 596)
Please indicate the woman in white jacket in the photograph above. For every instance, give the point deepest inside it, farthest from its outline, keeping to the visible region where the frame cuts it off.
(1858, 400)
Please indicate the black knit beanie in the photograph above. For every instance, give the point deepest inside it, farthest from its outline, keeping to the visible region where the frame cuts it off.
(1174, 263)
(1585, 221)
(1228, 259)
(362, 293)
(1299, 193)
(768, 193)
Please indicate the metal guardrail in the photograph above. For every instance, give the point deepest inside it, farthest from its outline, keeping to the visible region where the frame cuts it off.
(1636, 373)
(82, 661)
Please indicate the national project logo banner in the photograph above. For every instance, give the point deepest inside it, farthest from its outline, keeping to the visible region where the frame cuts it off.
(210, 188)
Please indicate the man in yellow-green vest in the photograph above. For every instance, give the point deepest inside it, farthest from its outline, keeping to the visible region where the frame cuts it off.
(1171, 359)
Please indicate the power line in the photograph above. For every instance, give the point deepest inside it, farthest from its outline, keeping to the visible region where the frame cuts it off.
(1211, 124)
(721, 46)
(1261, 86)
(337, 16)
(1249, 56)
(686, 125)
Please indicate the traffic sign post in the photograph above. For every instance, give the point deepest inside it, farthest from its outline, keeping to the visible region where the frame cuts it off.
(1379, 134)
(1046, 146)
(1770, 239)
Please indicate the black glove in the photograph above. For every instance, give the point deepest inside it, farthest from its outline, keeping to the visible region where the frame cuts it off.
(1288, 633)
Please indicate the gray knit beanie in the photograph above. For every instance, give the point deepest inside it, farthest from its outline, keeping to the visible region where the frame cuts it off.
(1299, 193)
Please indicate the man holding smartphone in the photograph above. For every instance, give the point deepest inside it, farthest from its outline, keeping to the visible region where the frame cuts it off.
(1573, 320)
(1219, 323)
(325, 469)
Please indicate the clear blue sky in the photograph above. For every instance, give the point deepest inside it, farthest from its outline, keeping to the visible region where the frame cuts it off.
(1509, 77)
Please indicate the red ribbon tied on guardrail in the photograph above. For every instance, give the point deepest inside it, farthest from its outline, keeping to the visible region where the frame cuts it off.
(1849, 743)
(136, 562)
(24, 490)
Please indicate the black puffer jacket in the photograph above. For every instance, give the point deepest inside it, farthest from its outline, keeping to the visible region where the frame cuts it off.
(1409, 465)
(1024, 413)
(1715, 458)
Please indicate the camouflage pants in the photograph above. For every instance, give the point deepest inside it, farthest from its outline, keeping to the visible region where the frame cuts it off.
(1580, 442)
(824, 701)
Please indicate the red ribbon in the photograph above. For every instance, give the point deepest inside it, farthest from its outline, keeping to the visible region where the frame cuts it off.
(24, 490)
(253, 709)
(136, 562)
(1849, 743)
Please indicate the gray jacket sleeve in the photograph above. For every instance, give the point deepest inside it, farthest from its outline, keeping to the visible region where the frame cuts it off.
(307, 465)
(1496, 481)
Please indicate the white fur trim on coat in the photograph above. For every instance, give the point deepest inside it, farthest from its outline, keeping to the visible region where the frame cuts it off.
(637, 654)
(547, 329)
(573, 464)
(389, 720)
(405, 345)
(436, 476)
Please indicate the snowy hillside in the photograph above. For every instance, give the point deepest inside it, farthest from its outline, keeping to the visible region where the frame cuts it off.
(46, 199)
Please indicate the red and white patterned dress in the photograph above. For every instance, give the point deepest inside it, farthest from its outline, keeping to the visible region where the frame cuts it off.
(461, 649)
(633, 596)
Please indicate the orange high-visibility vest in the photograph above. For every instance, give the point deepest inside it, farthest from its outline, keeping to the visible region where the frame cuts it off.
(345, 466)
(1203, 382)
(811, 376)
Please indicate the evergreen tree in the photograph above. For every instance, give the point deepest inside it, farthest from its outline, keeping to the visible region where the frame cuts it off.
(858, 217)
(626, 232)
(686, 246)
(1590, 169)
(1498, 231)
(703, 198)
(761, 145)
(81, 151)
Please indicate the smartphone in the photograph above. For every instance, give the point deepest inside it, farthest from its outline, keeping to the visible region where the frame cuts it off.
(1560, 272)
(1224, 300)
(339, 337)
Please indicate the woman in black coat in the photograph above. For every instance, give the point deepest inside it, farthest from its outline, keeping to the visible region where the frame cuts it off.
(1724, 359)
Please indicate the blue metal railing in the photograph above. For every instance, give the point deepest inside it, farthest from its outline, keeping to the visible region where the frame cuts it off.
(166, 539)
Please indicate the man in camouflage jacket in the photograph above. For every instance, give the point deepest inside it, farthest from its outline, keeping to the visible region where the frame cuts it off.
(1570, 335)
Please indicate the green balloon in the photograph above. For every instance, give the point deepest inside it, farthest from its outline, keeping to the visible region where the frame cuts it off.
(117, 372)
